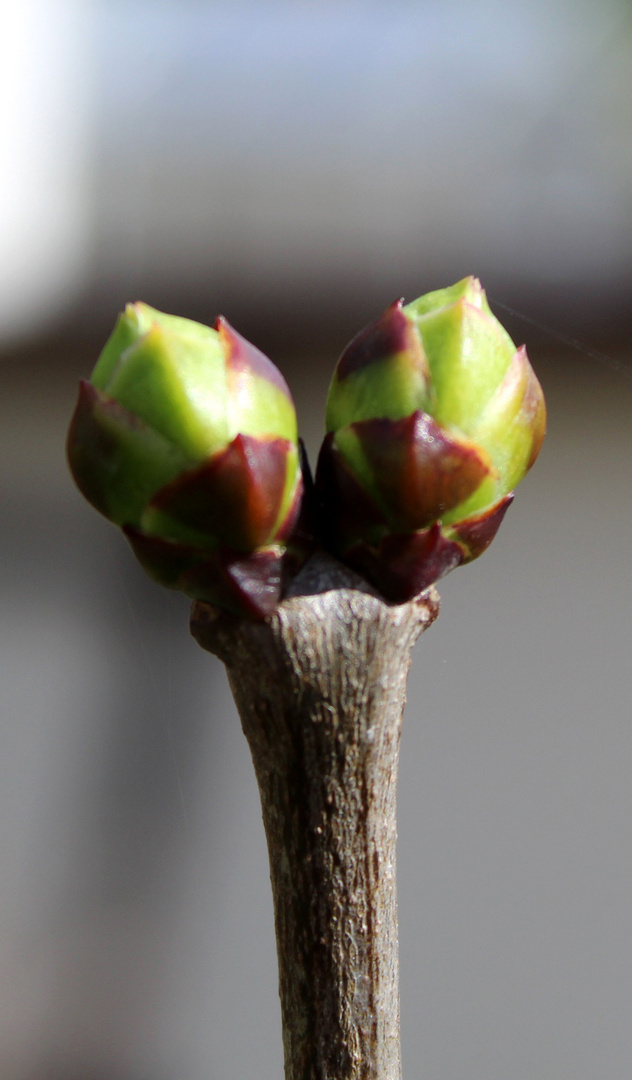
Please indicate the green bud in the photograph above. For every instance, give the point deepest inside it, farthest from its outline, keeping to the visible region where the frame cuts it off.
(433, 418)
(186, 437)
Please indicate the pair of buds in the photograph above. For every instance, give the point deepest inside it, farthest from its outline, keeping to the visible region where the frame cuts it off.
(186, 436)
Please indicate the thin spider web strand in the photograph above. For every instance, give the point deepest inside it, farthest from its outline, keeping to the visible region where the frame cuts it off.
(618, 366)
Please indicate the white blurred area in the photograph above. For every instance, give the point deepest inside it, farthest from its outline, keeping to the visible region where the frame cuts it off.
(46, 199)
(321, 158)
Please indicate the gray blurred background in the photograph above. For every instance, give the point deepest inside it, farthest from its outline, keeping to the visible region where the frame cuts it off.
(296, 166)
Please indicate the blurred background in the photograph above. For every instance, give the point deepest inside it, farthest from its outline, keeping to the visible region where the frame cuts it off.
(296, 166)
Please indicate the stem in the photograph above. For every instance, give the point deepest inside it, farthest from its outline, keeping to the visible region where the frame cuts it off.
(320, 688)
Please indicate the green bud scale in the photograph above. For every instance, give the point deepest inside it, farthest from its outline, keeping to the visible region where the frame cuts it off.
(433, 418)
(186, 437)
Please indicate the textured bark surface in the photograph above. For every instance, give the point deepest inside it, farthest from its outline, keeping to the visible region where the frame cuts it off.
(320, 688)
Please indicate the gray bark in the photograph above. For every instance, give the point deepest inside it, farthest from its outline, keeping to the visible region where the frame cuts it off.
(320, 688)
